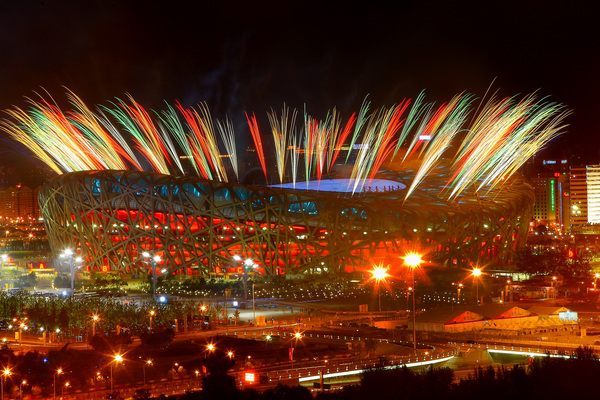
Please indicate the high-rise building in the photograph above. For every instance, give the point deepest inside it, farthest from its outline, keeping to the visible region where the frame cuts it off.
(19, 202)
(551, 200)
(593, 193)
(578, 194)
(550, 181)
(585, 199)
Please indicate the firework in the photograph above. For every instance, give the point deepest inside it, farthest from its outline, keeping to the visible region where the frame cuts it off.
(253, 125)
(282, 130)
(228, 136)
(483, 152)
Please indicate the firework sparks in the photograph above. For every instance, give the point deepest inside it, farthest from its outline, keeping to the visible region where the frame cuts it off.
(282, 130)
(253, 125)
(483, 153)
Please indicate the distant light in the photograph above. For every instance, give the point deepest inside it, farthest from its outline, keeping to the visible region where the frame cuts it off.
(162, 299)
(235, 303)
(424, 137)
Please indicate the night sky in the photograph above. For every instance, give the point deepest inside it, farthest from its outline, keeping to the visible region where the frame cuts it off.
(251, 56)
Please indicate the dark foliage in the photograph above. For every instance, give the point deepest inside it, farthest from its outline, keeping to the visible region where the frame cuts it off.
(158, 338)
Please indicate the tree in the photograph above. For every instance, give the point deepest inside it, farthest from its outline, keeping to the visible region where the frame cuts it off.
(159, 338)
(371, 346)
(28, 280)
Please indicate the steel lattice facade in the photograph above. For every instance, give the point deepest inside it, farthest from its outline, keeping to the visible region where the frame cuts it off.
(197, 226)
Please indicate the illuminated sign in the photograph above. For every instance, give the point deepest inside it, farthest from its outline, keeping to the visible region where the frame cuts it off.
(249, 377)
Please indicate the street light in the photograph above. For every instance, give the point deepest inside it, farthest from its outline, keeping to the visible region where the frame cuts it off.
(476, 274)
(154, 259)
(68, 254)
(247, 264)
(148, 362)
(23, 382)
(22, 327)
(58, 372)
(118, 359)
(6, 373)
(209, 349)
(379, 274)
(95, 319)
(297, 336)
(413, 260)
(152, 313)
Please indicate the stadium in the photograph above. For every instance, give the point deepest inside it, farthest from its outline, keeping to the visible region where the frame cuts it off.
(428, 179)
(198, 226)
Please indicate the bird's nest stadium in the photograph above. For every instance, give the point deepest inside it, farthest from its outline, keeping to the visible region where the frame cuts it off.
(443, 179)
(197, 226)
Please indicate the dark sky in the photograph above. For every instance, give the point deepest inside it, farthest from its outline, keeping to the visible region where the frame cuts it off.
(250, 56)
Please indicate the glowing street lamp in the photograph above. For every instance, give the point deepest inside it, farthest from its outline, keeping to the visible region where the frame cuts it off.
(248, 263)
(152, 313)
(297, 336)
(147, 363)
(23, 382)
(118, 358)
(5, 374)
(379, 274)
(413, 260)
(69, 256)
(58, 372)
(210, 347)
(476, 272)
(458, 289)
(95, 319)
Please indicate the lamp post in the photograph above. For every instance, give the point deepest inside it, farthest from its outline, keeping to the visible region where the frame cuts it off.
(413, 260)
(253, 307)
(95, 319)
(476, 274)
(209, 349)
(297, 336)
(22, 327)
(152, 313)
(68, 254)
(6, 373)
(379, 274)
(247, 264)
(23, 382)
(458, 289)
(153, 260)
(58, 372)
(148, 362)
(65, 387)
(118, 359)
